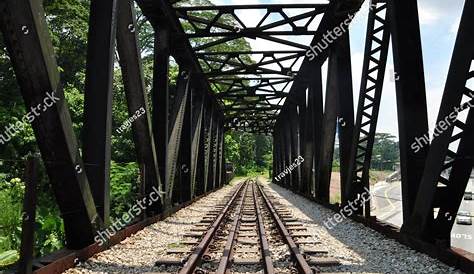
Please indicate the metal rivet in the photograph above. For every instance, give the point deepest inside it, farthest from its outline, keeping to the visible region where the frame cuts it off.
(25, 30)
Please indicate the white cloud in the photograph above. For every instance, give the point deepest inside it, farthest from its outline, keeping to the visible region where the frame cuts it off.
(428, 16)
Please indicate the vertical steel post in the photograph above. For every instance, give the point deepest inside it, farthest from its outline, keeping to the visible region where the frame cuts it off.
(161, 105)
(345, 107)
(196, 145)
(315, 108)
(98, 101)
(185, 150)
(25, 264)
(411, 96)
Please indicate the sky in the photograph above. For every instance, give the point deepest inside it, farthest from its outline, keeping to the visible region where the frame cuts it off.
(439, 20)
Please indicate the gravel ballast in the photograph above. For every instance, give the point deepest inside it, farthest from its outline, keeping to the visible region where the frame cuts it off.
(357, 248)
(139, 252)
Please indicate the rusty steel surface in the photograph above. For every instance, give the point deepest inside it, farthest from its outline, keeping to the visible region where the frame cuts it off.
(263, 239)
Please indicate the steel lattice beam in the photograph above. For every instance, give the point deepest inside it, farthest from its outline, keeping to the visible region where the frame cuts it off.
(373, 72)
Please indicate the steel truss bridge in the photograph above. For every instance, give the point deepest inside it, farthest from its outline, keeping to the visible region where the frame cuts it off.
(180, 139)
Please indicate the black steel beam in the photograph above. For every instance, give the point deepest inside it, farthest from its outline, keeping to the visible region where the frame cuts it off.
(411, 96)
(288, 180)
(216, 157)
(98, 101)
(207, 147)
(23, 24)
(185, 150)
(161, 103)
(240, 30)
(196, 131)
(338, 113)
(345, 106)
(294, 127)
(230, 8)
(373, 72)
(312, 125)
(202, 156)
(137, 100)
(328, 134)
(176, 121)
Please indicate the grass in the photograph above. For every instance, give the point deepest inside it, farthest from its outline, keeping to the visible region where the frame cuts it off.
(378, 175)
(336, 198)
(175, 245)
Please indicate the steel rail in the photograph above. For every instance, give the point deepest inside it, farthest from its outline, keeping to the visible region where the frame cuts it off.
(268, 265)
(301, 263)
(194, 258)
(228, 249)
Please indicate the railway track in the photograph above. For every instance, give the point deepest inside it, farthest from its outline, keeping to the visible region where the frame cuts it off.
(248, 232)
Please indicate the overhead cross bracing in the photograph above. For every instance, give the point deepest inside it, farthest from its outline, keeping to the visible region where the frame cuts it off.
(252, 85)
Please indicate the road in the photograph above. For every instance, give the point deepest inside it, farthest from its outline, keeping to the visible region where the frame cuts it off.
(387, 206)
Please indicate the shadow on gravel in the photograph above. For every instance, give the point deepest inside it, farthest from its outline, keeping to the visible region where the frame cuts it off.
(348, 233)
(377, 253)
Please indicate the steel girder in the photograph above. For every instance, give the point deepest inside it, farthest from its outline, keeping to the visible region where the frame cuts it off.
(237, 80)
(411, 96)
(26, 35)
(314, 128)
(160, 101)
(185, 151)
(373, 72)
(196, 152)
(98, 101)
(176, 121)
(294, 132)
(219, 25)
(304, 139)
(135, 91)
(450, 159)
(338, 116)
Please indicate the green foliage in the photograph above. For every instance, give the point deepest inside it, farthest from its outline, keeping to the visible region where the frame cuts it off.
(124, 182)
(250, 154)
(11, 197)
(386, 152)
(8, 258)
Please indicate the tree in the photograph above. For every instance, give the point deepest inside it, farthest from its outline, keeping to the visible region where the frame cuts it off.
(386, 152)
